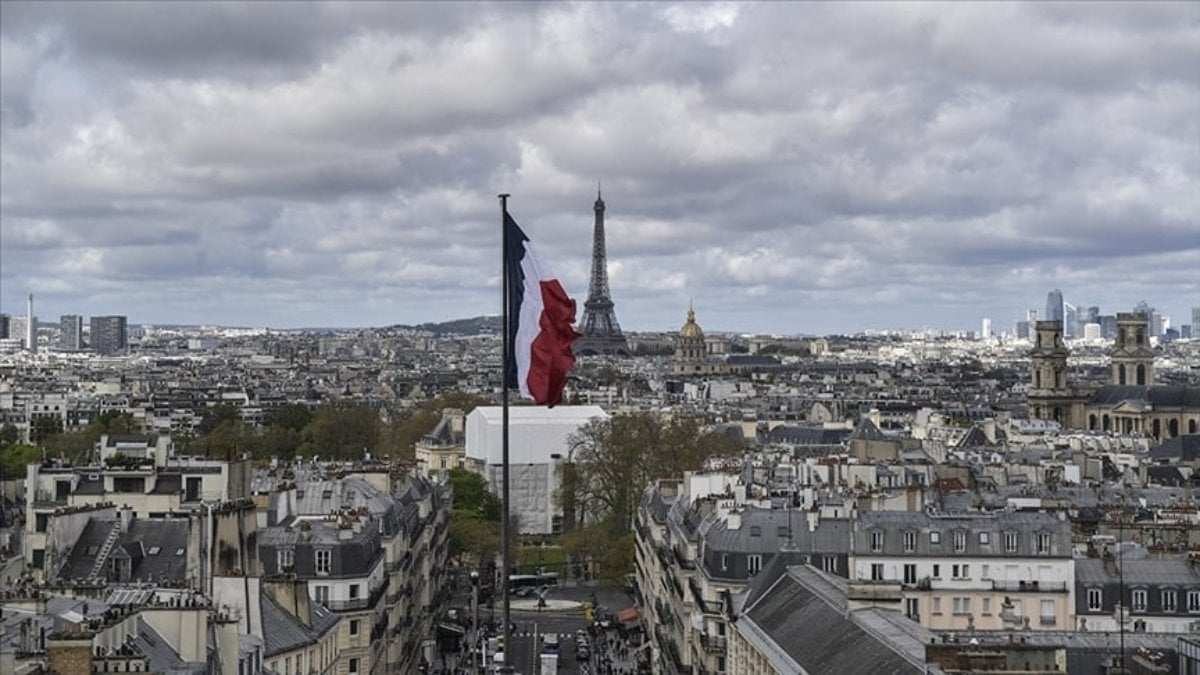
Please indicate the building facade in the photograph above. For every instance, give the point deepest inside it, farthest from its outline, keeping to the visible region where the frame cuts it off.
(109, 335)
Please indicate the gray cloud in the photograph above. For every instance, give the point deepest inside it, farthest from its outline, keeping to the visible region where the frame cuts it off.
(794, 168)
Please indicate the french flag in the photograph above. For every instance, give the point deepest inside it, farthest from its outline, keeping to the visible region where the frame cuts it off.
(540, 318)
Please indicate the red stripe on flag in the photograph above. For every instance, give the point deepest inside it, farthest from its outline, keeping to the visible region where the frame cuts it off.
(552, 356)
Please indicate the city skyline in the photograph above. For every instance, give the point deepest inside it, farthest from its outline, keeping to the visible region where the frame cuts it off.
(791, 168)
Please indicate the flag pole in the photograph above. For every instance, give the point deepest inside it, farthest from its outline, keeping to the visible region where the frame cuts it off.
(505, 535)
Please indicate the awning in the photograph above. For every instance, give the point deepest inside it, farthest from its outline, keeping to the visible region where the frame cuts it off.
(628, 615)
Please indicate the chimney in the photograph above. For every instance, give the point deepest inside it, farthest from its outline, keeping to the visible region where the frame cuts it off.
(292, 595)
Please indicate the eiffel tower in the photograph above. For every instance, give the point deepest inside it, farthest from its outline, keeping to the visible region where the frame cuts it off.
(599, 327)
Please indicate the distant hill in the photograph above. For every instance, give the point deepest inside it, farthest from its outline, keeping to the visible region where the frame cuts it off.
(473, 326)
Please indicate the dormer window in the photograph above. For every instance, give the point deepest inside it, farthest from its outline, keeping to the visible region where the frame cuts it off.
(286, 559)
(960, 542)
(323, 560)
(1010, 542)
(876, 540)
(755, 531)
(910, 542)
(935, 537)
(1043, 543)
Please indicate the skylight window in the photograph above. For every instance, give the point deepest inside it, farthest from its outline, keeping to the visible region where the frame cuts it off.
(155, 549)
(179, 552)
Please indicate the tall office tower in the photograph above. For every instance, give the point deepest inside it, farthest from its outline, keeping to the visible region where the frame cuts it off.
(1090, 315)
(1031, 316)
(70, 332)
(601, 334)
(1054, 305)
(985, 330)
(1070, 320)
(3, 326)
(30, 327)
(1158, 324)
(110, 334)
(1022, 330)
(1108, 326)
(1131, 356)
(1195, 318)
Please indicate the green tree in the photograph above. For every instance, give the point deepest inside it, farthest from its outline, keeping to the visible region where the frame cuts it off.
(401, 434)
(43, 427)
(215, 416)
(615, 459)
(14, 458)
(343, 430)
(294, 416)
(8, 435)
(471, 495)
(471, 539)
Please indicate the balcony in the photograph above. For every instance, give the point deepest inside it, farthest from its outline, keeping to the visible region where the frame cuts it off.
(683, 561)
(714, 644)
(707, 606)
(1029, 586)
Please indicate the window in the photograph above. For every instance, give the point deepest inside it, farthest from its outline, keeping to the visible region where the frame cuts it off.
(724, 561)
(910, 608)
(937, 605)
(1095, 599)
(322, 594)
(154, 550)
(753, 563)
(324, 556)
(987, 605)
(286, 558)
(1043, 543)
(354, 662)
(985, 538)
(354, 591)
(1010, 542)
(962, 605)
(755, 531)
(1139, 600)
(960, 542)
(937, 571)
(985, 574)
(935, 537)
(877, 572)
(961, 571)
(41, 520)
(1193, 601)
(910, 542)
(1169, 601)
(910, 573)
(1048, 617)
(354, 626)
(876, 541)
(829, 564)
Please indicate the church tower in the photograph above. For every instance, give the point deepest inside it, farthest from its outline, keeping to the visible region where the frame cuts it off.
(1132, 357)
(1049, 396)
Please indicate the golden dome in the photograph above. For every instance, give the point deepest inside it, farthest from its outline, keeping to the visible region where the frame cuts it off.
(691, 329)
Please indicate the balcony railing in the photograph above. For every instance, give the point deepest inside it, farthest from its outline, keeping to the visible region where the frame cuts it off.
(714, 644)
(1029, 586)
(707, 606)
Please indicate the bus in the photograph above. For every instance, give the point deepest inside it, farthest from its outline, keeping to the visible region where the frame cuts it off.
(524, 584)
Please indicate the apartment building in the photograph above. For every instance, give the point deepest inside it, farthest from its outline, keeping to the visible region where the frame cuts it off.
(982, 571)
(1149, 595)
(702, 541)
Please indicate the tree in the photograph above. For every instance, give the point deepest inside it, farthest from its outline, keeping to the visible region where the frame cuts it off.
(471, 495)
(615, 459)
(400, 436)
(8, 435)
(43, 427)
(293, 416)
(472, 540)
(217, 415)
(343, 430)
(14, 458)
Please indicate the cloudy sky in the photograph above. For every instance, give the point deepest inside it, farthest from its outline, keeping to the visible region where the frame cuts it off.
(794, 168)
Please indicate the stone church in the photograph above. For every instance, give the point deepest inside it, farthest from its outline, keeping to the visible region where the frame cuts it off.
(1130, 403)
